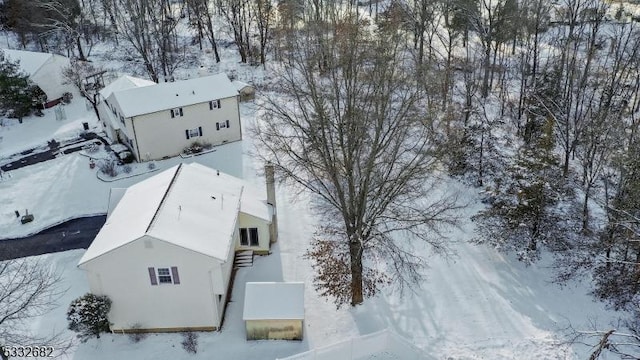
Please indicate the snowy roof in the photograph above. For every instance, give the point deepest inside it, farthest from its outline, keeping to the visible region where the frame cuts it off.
(188, 205)
(115, 195)
(165, 96)
(123, 83)
(239, 85)
(30, 62)
(273, 301)
(44, 69)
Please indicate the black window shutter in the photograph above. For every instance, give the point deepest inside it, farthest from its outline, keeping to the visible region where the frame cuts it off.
(180, 111)
(253, 232)
(172, 114)
(200, 130)
(152, 276)
(227, 124)
(174, 275)
(186, 132)
(243, 237)
(218, 103)
(217, 126)
(210, 105)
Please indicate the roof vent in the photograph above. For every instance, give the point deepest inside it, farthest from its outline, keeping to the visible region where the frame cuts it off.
(176, 94)
(218, 172)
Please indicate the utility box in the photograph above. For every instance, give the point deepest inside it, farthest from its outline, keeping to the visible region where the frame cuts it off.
(26, 218)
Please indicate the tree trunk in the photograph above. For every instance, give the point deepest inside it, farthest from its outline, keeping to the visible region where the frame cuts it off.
(585, 209)
(355, 251)
(80, 52)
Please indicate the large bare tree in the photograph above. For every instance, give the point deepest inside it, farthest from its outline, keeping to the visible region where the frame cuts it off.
(347, 124)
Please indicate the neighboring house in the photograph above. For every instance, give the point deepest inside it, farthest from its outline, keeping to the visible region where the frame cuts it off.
(161, 120)
(45, 70)
(165, 254)
(110, 120)
(274, 310)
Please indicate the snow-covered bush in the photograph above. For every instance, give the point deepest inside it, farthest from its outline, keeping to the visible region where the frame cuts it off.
(136, 335)
(127, 169)
(87, 315)
(108, 167)
(190, 342)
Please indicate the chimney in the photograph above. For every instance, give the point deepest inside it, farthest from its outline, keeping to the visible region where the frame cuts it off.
(271, 200)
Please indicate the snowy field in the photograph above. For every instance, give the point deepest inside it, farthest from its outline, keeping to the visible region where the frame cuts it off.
(480, 305)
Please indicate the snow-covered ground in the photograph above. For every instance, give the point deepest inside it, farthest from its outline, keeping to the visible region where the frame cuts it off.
(36, 131)
(480, 305)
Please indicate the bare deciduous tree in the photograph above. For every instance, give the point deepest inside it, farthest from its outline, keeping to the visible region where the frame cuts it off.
(28, 288)
(352, 131)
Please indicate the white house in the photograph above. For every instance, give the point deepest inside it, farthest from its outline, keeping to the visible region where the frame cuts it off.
(161, 120)
(45, 70)
(165, 254)
(110, 121)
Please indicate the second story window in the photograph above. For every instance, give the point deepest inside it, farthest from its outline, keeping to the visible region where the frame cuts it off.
(176, 112)
(215, 104)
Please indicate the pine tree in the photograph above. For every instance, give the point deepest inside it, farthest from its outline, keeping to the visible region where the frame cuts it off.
(17, 93)
(523, 213)
(87, 315)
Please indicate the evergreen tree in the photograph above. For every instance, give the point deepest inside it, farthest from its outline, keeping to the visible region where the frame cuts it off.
(17, 93)
(87, 315)
(523, 212)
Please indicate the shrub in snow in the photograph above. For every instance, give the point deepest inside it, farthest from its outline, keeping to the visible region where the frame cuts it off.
(152, 166)
(126, 169)
(190, 342)
(108, 167)
(197, 147)
(87, 315)
(136, 336)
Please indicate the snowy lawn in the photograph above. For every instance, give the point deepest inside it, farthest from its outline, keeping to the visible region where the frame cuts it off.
(36, 131)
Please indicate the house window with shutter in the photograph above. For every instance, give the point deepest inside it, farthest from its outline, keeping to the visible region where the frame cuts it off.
(249, 237)
(215, 104)
(176, 112)
(191, 133)
(223, 125)
(164, 275)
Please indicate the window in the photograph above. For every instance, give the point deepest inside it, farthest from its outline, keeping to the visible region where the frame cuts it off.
(215, 104)
(176, 112)
(164, 275)
(249, 237)
(191, 133)
(222, 125)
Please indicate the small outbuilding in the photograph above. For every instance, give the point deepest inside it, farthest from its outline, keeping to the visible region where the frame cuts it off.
(274, 310)
(246, 91)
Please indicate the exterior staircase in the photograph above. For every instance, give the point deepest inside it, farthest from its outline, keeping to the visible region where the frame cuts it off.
(243, 259)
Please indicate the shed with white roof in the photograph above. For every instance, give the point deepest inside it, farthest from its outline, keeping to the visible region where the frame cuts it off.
(165, 254)
(274, 310)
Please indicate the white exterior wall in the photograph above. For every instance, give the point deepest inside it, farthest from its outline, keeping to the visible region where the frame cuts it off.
(122, 274)
(105, 114)
(159, 135)
(248, 221)
(126, 129)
